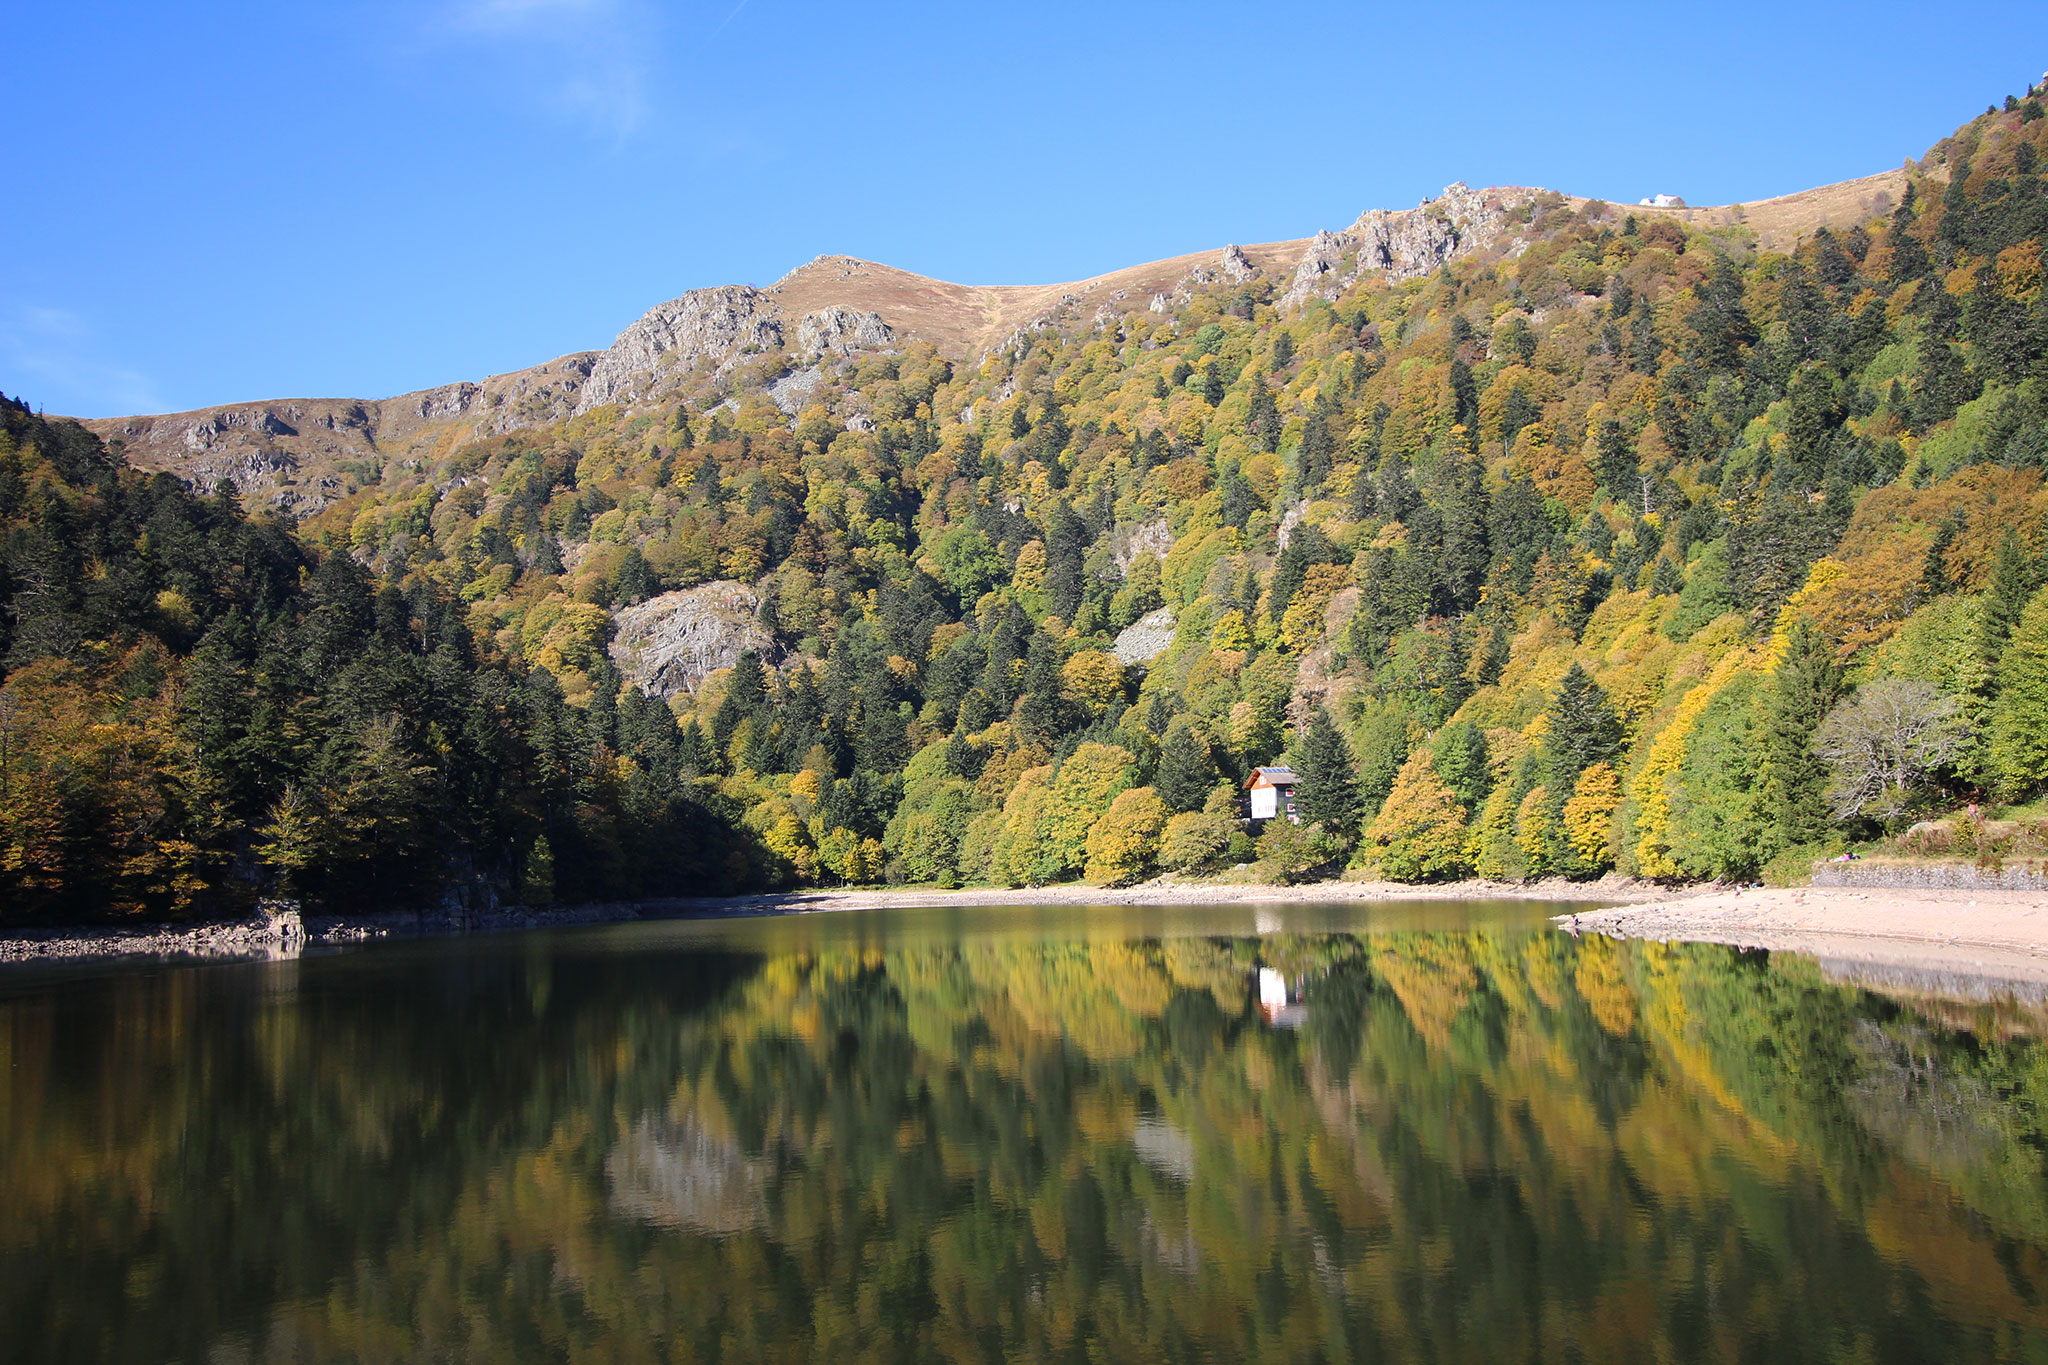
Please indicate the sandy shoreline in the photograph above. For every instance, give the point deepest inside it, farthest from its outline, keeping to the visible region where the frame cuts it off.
(1998, 939)
(1163, 892)
(1995, 937)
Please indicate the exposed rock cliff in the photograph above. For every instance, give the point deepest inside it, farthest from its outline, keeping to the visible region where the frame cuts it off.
(841, 331)
(1403, 244)
(671, 643)
(671, 340)
(301, 454)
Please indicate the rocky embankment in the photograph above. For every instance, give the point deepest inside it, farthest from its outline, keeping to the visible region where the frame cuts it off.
(279, 931)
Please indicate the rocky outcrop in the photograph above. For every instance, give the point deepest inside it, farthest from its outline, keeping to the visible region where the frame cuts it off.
(841, 331)
(531, 398)
(671, 643)
(672, 339)
(293, 454)
(1403, 244)
(1152, 537)
(1146, 638)
(792, 391)
(1231, 266)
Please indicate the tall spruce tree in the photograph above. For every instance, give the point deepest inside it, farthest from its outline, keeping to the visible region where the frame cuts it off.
(2013, 580)
(2019, 719)
(1791, 780)
(1328, 793)
(1583, 730)
(1463, 763)
(1186, 774)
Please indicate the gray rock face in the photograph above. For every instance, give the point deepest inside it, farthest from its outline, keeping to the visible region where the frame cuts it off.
(547, 393)
(1231, 266)
(655, 353)
(841, 331)
(450, 400)
(792, 391)
(1146, 638)
(1404, 244)
(1153, 538)
(671, 643)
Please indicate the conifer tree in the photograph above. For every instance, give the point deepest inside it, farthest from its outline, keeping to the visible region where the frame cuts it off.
(1791, 780)
(1583, 730)
(2013, 580)
(1463, 763)
(2019, 718)
(1186, 773)
(1262, 421)
(1316, 449)
(1615, 465)
(1934, 579)
(1328, 794)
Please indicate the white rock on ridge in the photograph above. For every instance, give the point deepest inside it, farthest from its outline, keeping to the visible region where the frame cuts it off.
(1232, 266)
(671, 643)
(1404, 244)
(657, 352)
(841, 331)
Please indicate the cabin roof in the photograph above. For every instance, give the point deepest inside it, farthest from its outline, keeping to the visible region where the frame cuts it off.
(1272, 777)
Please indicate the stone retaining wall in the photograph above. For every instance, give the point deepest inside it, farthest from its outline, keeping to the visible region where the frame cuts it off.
(1876, 875)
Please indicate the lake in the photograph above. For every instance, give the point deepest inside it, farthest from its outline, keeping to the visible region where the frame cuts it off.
(1410, 1132)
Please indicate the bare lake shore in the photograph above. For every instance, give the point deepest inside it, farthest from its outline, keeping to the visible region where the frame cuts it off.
(1935, 938)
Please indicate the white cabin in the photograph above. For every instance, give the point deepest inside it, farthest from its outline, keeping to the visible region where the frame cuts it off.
(1272, 792)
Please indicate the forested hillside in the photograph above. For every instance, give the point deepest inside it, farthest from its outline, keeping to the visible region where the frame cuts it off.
(1615, 546)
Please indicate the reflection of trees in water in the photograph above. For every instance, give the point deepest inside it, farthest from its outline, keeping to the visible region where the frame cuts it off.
(1475, 1145)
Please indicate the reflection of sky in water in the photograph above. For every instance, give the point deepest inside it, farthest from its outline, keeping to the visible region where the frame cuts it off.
(1028, 1133)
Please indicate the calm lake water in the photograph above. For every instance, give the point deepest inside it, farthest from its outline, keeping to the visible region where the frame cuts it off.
(984, 1134)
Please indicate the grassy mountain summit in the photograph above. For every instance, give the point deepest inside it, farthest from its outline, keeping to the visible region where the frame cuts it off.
(1585, 536)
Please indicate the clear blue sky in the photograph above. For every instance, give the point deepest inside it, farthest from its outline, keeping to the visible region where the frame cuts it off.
(221, 202)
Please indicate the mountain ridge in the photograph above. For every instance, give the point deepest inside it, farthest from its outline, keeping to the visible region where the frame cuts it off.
(301, 454)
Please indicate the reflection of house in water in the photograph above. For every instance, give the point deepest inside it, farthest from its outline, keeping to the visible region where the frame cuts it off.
(1273, 1001)
(1272, 792)
(675, 1175)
